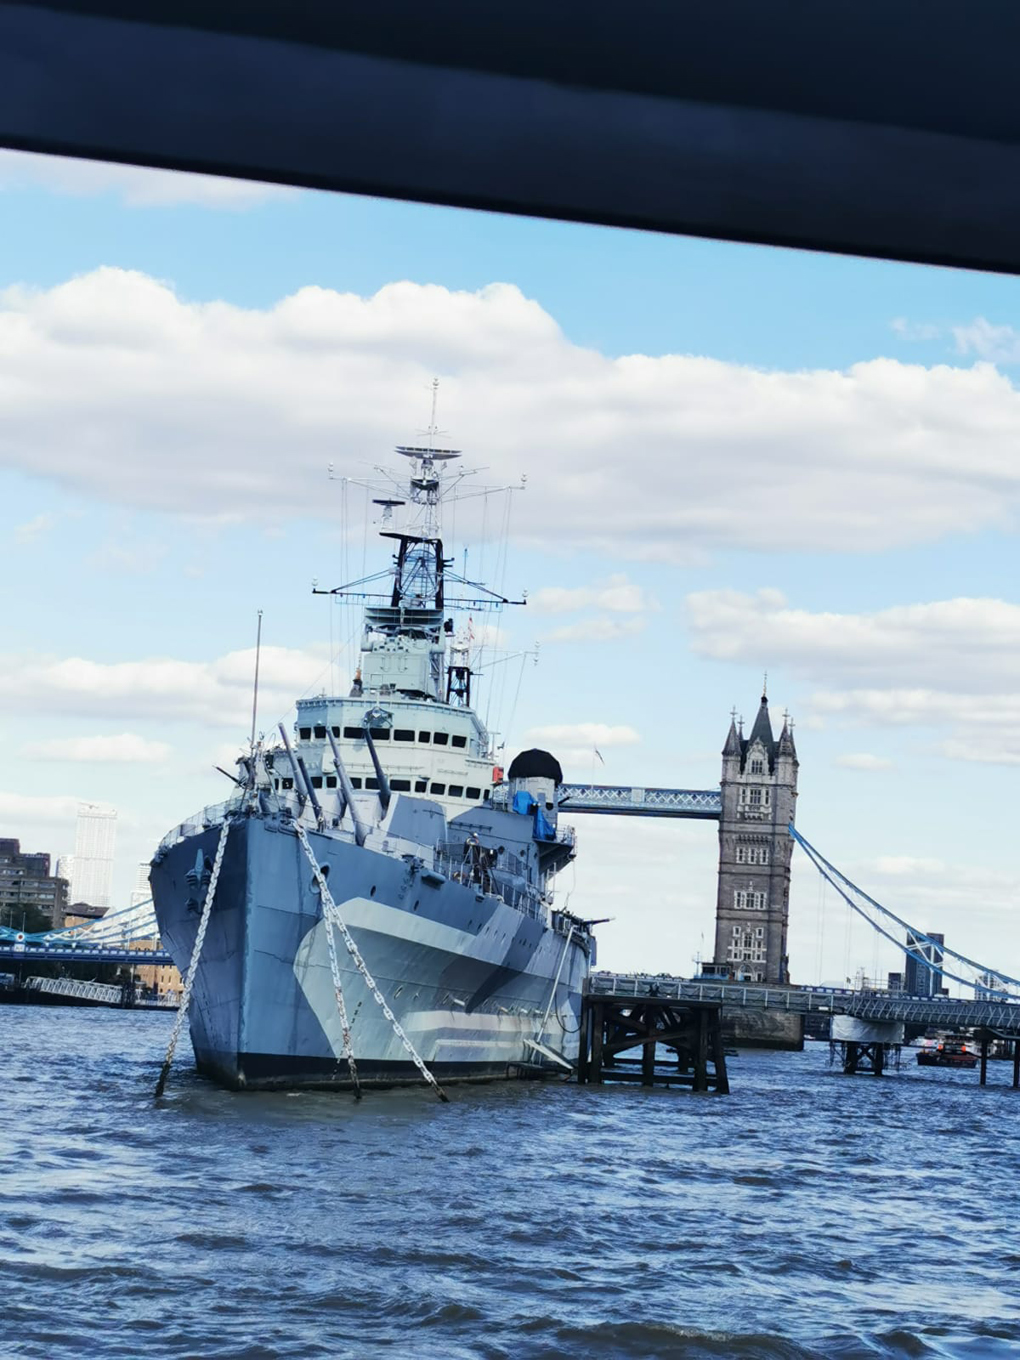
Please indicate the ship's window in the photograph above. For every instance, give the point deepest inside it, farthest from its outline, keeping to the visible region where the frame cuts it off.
(424, 736)
(316, 781)
(355, 781)
(456, 790)
(371, 782)
(331, 781)
(458, 741)
(400, 785)
(354, 733)
(439, 788)
(403, 734)
(305, 733)
(320, 732)
(473, 794)
(487, 794)
(380, 733)
(421, 785)
(288, 783)
(440, 738)
(336, 731)
(372, 892)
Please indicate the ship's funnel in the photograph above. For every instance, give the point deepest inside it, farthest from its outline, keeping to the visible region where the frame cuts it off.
(538, 775)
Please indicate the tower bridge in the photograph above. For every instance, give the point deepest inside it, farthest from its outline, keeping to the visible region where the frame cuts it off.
(754, 806)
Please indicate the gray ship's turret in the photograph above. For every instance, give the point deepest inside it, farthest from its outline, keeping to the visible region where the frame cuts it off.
(537, 774)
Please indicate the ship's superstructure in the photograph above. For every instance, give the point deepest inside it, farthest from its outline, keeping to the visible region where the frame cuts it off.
(385, 791)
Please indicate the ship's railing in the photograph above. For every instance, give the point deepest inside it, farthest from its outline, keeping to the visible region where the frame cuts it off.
(455, 861)
(200, 821)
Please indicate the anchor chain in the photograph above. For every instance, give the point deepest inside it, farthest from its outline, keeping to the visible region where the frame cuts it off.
(331, 913)
(196, 954)
(338, 988)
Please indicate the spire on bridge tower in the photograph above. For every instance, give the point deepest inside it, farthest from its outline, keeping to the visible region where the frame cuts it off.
(759, 791)
(733, 742)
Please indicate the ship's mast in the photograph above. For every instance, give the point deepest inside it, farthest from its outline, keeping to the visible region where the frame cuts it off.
(411, 617)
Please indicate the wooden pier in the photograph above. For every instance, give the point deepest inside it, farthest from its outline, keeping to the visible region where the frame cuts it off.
(679, 1041)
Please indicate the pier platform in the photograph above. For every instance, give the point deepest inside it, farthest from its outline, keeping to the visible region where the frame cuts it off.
(652, 1039)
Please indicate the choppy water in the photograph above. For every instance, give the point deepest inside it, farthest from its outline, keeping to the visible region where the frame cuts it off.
(808, 1214)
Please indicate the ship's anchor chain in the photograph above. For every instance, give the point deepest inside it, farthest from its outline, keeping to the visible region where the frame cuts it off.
(196, 954)
(331, 914)
(338, 988)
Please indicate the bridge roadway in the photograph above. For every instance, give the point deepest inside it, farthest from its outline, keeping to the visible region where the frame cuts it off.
(65, 953)
(938, 1012)
(627, 801)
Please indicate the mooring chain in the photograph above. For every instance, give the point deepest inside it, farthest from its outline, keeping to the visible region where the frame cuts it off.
(331, 913)
(338, 987)
(196, 954)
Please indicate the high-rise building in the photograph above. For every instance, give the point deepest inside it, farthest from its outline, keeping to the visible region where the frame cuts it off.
(142, 892)
(759, 793)
(28, 891)
(95, 838)
(919, 979)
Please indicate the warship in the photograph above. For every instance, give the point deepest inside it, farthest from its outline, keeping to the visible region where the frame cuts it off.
(374, 904)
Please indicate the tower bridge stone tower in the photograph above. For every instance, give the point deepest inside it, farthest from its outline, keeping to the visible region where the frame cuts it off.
(759, 794)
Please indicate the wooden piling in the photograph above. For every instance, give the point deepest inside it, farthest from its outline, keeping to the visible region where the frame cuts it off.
(984, 1057)
(657, 1041)
(1016, 1064)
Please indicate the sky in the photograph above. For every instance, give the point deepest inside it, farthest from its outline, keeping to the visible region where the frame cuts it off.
(736, 459)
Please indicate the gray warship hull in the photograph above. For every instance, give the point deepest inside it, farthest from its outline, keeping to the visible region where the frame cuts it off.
(483, 989)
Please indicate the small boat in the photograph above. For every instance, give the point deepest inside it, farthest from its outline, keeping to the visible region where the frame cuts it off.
(947, 1053)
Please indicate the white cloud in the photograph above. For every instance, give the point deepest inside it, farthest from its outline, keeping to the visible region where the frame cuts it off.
(915, 330)
(997, 344)
(127, 748)
(137, 186)
(17, 809)
(34, 528)
(215, 692)
(600, 628)
(862, 761)
(655, 457)
(877, 669)
(907, 866)
(968, 644)
(617, 594)
(574, 744)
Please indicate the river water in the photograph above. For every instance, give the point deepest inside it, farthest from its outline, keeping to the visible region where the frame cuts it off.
(807, 1214)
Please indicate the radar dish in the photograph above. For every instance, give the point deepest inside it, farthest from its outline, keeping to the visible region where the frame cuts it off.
(390, 504)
